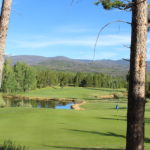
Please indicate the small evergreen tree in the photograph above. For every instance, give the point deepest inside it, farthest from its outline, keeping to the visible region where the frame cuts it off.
(19, 70)
(9, 83)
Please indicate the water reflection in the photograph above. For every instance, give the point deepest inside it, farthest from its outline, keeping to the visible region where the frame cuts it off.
(38, 104)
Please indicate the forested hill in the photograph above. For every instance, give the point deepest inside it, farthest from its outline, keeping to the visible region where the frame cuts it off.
(114, 67)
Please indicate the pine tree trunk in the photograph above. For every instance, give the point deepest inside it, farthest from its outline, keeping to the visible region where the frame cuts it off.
(136, 93)
(4, 21)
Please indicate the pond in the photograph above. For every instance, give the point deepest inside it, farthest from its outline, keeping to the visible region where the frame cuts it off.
(38, 104)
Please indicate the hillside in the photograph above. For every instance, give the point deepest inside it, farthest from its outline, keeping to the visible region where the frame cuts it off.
(114, 67)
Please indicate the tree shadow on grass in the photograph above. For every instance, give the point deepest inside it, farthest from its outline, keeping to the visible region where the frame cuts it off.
(98, 133)
(82, 148)
(120, 116)
(120, 119)
(147, 140)
(147, 120)
(105, 90)
(120, 108)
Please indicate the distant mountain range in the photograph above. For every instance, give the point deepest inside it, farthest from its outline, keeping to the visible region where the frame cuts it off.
(114, 67)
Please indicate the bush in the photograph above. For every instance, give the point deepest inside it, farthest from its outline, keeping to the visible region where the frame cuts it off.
(9, 145)
(116, 96)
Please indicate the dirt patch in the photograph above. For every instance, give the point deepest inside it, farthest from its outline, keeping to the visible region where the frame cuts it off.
(112, 96)
(125, 94)
(106, 96)
(77, 106)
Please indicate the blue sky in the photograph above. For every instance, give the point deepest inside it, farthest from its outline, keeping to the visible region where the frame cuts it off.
(57, 28)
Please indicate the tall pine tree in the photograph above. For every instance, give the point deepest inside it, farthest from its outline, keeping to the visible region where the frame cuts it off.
(136, 93)
(4, 21)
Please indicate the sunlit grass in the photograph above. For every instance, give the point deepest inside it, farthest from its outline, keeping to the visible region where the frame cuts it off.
(98, 126)
(72, 92)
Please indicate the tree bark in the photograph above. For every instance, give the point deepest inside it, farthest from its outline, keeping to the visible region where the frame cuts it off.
(136, 93)
(4, 21)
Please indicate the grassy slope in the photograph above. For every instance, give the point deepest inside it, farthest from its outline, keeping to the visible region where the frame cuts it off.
(98, 126)
(71, 92)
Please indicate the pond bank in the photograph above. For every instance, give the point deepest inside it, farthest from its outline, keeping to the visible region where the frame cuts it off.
(38, 98)
(77, 106)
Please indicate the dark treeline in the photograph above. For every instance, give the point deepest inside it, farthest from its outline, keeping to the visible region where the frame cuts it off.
(22, 77)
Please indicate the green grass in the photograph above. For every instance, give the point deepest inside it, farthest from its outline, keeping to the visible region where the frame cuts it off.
(99, 126)
(72, 92)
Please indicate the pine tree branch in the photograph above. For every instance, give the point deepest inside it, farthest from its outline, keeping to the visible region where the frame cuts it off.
(126, 6)
(110, 4)
(131, 4)
(115, 21)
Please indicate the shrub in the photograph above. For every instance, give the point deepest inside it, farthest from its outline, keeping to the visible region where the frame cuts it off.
(9, 145)
(116, 96)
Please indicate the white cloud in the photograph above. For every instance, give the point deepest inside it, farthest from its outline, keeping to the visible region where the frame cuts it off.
(104, 55)
(114, 40)
(42, 41)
